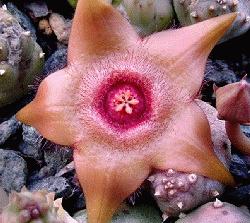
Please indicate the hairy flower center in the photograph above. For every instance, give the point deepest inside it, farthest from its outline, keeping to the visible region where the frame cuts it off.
(124, 99)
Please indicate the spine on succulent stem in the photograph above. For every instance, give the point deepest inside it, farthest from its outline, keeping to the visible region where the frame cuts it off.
(233, 105)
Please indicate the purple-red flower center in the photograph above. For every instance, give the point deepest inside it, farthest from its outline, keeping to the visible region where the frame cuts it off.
(124, 99)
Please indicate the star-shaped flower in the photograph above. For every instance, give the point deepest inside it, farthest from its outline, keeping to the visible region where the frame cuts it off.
(156, 80)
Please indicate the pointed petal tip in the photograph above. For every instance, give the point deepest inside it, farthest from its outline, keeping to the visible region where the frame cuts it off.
(98, 28)
(216, 27)
(107, 180)
(184, 51)
(24, 115)
(192, 148)
(210, 31)
(227, 178)
(230, 17)
(225, 21)
(47, 124)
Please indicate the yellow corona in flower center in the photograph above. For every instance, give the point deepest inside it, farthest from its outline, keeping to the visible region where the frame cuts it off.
(125, 101)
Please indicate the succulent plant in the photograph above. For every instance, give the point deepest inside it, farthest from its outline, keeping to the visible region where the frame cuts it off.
(149, 16)
(146, 213)
(121, 103)
(30, 207)
(213, 212)
(113, 2)
(34, 207)
(190, 12)
(72, 3)
(21, 59)
(4, 199)
(235, 96)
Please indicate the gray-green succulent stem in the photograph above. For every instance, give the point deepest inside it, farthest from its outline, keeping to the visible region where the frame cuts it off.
(21, 59)
(237, 137)
(192, 11)
(149, 16)
(113, 2)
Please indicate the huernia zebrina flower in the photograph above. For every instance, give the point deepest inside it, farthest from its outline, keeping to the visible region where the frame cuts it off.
(126, 105)
(233, 106)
